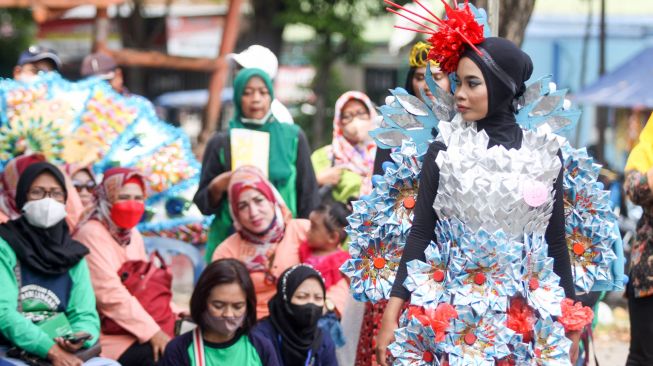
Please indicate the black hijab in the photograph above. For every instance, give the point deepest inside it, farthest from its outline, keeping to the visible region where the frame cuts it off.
(48, 251)
(409, 81)
(505, 68)
(296, 343)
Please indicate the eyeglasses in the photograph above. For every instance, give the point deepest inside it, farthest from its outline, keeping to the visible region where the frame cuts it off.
(346, 118)
(89, 186)
(38, 193)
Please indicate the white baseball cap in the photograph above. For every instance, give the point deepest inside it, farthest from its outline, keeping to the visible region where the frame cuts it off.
(259, 57)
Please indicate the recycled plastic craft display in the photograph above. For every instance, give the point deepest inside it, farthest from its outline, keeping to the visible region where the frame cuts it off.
(87, 123)
(486, 293)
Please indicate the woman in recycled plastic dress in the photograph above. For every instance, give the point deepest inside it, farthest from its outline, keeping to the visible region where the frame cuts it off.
(494, 284)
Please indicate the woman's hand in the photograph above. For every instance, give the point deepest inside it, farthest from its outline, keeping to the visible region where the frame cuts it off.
(386, 334)
(159, 342)
(329, 176)
(60, 357)
(574, 336)
(219, 186)
(68, 346)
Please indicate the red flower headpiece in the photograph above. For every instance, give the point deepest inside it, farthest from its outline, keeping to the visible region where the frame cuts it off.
(448, 41)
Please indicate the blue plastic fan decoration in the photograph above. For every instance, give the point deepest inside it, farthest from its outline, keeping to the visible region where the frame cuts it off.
(88, 124)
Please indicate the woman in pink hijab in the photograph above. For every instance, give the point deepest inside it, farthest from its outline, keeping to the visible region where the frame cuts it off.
(345, 166)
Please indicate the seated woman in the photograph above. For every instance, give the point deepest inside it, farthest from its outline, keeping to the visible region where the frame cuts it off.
(84, 182)
(288, 157)
(9, 181)
(223, 305)
(43, 273)
(112, 238)
(294, 312)
(346, 165)
(266, 239)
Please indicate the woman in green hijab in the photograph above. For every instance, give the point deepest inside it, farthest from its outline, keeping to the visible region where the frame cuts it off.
(289, 166)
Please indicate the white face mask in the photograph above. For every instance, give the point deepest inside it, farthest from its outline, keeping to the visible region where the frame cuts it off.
(44, 213)
(258, 122)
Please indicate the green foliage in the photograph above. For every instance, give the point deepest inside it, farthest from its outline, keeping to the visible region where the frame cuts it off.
(17, 31)
(338, 25)
(305, 121)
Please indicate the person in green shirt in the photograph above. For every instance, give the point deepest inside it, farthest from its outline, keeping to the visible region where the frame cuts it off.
(46, 287)
(289, 164)
(344, 168)
(223, 306)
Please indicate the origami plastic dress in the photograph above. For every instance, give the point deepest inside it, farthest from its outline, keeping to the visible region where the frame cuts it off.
(487, 293)
(87, 123)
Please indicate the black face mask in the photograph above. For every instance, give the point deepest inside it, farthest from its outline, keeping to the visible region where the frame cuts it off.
(305, 316)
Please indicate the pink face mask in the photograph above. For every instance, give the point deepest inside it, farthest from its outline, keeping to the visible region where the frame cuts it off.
(224, 325)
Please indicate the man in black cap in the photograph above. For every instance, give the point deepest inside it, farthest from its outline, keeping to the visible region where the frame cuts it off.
(35, 59)
(105, 67)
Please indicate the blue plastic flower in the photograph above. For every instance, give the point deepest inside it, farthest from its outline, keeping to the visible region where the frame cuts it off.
(373, 264)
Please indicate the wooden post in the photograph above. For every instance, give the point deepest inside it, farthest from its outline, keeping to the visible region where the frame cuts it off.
(219, 75)
(101, 29)
(493, 16)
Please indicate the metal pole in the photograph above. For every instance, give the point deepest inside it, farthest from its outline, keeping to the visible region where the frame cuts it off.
(218, 77)
(601, 112)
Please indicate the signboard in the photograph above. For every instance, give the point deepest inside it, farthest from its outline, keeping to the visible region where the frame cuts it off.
(197, 36)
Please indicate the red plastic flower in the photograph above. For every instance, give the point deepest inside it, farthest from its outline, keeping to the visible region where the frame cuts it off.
(438, 319)
(574, 316)
(521, 318)
(448, 43)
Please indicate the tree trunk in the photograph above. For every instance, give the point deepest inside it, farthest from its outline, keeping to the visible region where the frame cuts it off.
(514, 16)
(265, 29)
(321, 89)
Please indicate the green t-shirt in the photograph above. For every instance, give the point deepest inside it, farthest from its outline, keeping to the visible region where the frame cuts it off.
(239, 353)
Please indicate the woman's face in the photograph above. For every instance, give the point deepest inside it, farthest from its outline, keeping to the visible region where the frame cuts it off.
(85, 185)
(255, 212)
(227, 300)
(131, 192)
(310, 291)
(355, 121)
(256, 100)
(419, 82)
(45, 185)
(471, 91)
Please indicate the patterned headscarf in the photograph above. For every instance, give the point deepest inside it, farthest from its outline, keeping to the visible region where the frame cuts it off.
(107, 193)
(9, 182)
(248, 177)
(71, 170)
(359, 158)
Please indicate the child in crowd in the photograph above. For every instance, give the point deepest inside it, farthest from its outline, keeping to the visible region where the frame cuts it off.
(322, 250)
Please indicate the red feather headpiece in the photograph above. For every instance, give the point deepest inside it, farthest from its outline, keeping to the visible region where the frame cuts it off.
(448, 41)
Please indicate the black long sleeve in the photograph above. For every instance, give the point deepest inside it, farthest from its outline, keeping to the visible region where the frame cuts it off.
(306, 184)
(424, 219)
(382, 155)
(556, 238)
(217, 160)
